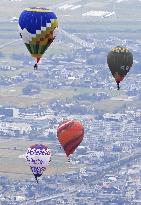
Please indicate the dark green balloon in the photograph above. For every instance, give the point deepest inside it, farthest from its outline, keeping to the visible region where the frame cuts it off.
(119, 60)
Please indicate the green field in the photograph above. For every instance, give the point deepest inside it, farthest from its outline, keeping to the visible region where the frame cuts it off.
(13, 95)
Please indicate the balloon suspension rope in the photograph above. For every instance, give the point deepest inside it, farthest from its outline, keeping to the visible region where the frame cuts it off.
(36, 179)
(118, 88)
(35, 66)
(68, 159)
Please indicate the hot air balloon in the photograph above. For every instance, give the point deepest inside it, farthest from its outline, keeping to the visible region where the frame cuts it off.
(37, 30)
(70, 134)
(119, 60)
(38, 157)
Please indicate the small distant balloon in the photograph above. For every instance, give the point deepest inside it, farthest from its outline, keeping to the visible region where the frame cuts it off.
(38, 157)
(70, 134)
(119, 60)
(37, 30)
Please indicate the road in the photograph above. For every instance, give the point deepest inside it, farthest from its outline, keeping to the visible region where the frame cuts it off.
(76, 39)
(118, 164)
(9, 43)
(47, 198)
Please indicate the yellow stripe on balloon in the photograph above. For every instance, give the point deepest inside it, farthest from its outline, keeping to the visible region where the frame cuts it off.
(37, 55)
(38, 10)
(54, 24)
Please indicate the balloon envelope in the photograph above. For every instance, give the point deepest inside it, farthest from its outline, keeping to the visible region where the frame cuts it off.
(120, 61)
(37, 26)
(70, 134)
(38, 157)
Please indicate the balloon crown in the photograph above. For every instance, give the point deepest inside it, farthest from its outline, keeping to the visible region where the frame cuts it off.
(38, 9)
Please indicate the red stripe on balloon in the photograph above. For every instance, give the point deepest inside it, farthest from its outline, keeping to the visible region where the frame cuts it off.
(64, 126)
(70, 146)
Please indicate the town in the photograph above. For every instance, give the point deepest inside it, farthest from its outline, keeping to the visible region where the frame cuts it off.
(72, 82)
